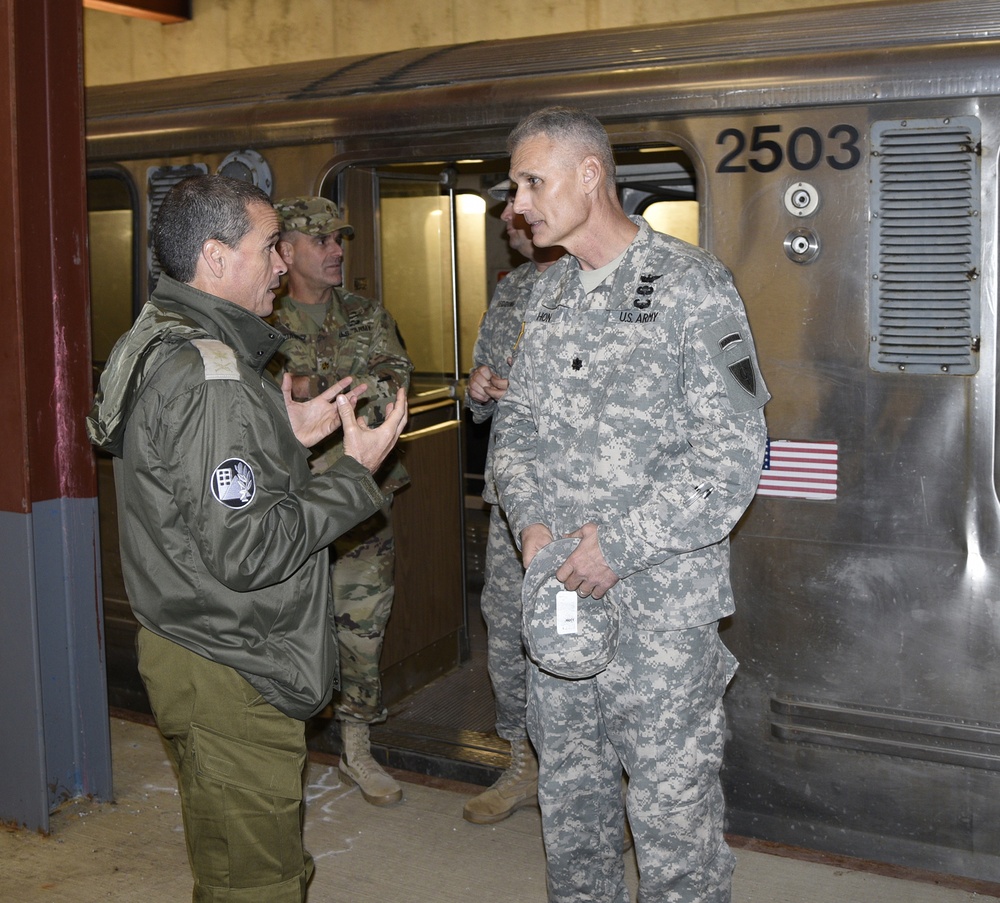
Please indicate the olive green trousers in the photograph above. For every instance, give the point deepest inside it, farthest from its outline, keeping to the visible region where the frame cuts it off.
(240, 765)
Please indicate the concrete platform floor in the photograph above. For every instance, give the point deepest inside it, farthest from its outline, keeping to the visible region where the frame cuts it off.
(420, 851)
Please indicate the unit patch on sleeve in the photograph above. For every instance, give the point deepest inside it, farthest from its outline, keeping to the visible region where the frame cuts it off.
(233, 483)
(731, 351)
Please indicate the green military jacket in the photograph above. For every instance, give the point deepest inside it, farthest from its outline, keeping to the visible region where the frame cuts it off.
(224, 528)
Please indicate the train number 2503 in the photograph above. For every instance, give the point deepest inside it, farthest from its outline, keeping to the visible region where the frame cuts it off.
(804, 149)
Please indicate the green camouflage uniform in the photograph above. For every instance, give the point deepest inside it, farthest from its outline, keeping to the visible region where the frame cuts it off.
(357, 338)
(637, 407)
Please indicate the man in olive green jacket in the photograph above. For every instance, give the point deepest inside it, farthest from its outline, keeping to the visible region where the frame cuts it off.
(224, 531)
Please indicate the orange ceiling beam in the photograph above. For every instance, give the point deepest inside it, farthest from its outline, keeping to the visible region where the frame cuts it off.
(158, 10)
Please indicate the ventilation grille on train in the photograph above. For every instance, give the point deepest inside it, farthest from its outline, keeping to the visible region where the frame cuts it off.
(925, 241)
(159, 180)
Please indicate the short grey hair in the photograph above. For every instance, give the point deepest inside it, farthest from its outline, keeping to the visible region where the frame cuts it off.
(570, 125)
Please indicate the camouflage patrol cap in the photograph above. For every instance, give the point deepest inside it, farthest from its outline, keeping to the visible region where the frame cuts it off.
(311, 216)
(566, 634)
(500, 191)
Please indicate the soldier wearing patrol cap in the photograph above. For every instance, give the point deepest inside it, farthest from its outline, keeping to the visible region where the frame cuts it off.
(632, 423)
(332, 334)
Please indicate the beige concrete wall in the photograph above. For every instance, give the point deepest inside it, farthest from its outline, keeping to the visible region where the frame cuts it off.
(235, 34)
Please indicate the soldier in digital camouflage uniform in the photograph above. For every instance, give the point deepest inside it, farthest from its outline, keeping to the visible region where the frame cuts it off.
(633, 420)
(332, 334)
(501, 597)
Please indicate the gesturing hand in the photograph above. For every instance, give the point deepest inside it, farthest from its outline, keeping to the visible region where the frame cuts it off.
(368, 446)
(315, 419)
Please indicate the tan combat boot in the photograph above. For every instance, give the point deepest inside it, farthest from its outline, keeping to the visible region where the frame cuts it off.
(358, 766)
(516, 788)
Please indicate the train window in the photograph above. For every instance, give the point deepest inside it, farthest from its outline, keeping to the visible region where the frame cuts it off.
(470, 218)
(113, 244)
(677, 218)
(659, 185)
(417, 289)
(925, 240)
(113, 238)
(424, 254)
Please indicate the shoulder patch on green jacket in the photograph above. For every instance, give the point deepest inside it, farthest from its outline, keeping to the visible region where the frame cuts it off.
(219, 359)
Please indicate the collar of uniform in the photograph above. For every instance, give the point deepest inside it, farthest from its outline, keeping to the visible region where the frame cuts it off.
(567, 270)
(253, 339)
(632, 264)
(302, 317)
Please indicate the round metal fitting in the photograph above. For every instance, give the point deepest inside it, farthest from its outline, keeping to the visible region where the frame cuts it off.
(801, 245)
(249, 166)
(801, 199)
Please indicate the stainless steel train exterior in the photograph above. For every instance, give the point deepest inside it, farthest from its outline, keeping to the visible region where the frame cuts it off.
(844, 162)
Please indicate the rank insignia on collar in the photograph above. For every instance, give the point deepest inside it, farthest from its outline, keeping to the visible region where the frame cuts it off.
(577, 364)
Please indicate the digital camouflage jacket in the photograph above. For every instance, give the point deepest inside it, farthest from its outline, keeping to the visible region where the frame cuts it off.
(638, 407)
(496, 342)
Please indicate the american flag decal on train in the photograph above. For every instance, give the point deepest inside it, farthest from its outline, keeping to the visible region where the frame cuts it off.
(800, 470)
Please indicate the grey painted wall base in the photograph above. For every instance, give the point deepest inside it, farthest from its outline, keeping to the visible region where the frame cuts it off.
(53, 691)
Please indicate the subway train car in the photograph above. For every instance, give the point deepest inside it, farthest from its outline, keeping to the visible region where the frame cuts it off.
(843, 163)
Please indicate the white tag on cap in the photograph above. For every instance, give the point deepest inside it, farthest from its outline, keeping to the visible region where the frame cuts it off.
(566, 612)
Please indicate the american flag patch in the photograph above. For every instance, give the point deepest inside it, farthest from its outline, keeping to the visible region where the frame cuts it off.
(799, 470)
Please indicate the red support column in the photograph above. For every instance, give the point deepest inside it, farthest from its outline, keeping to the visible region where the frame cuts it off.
(53, 695)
